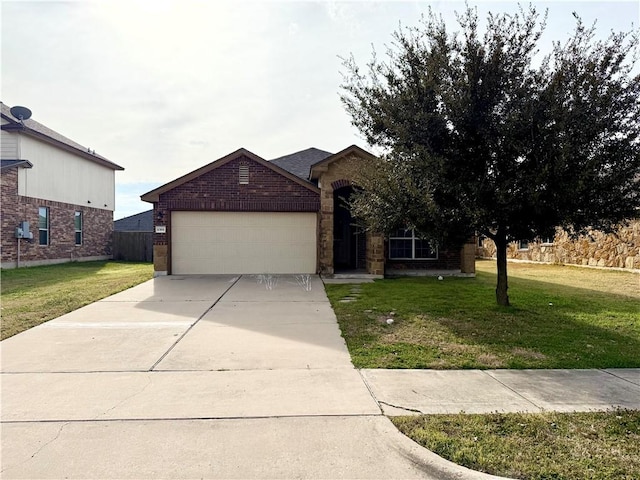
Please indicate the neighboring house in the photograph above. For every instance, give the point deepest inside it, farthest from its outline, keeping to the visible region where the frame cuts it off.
(597, 249)
(55, 191)
(243, 214)
(140, 222)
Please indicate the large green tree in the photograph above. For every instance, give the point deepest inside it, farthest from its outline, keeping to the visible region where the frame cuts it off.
(482, 134)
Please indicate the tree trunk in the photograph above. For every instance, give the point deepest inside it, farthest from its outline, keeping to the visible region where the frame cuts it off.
(502, 296)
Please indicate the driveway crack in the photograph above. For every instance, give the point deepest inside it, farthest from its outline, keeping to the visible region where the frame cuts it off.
(236, 280)
(408, 409)
(125, 400)
(42, 447)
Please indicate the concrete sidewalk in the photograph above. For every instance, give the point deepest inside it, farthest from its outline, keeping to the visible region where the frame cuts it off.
(412, 392)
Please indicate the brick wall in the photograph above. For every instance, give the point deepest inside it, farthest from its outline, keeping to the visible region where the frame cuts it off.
(219, 190)
(97, 228)
(447, 260)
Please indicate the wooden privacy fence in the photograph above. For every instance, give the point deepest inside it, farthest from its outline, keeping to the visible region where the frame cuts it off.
(133, 246)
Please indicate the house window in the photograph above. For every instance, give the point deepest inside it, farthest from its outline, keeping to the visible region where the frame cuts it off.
(43, 225)
(523, 245)
(244, 174)
(547, 241)
(404, 245)
(77, 225)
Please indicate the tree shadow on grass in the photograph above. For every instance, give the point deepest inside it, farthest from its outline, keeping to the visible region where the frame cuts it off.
(456, 324)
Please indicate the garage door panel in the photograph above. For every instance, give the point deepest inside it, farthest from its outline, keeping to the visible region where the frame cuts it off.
(247, 242)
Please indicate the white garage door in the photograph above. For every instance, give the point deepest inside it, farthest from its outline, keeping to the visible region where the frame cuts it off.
(247, 242)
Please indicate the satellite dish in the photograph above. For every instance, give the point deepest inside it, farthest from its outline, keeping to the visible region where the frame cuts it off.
(21, 113)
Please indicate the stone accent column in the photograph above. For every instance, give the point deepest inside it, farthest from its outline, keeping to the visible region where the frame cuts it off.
(326, 230)
(160, 260)
(375, 254)
(468, 257)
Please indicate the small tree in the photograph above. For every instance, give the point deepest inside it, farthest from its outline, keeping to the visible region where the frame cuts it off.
(478, 138)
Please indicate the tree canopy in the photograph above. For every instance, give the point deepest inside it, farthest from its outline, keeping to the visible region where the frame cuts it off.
(482, 135)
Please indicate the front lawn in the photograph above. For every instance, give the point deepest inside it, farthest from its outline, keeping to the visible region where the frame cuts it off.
(535, 446)
(31, 296)
(561, 317)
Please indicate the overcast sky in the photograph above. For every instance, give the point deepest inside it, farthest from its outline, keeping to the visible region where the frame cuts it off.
(164, 87)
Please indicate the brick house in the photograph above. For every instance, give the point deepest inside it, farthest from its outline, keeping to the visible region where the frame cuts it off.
(64, 192)
(243, 214)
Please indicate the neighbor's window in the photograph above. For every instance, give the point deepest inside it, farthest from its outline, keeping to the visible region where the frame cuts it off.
(43, 225)
(77, 225)
(523, 245)
(244, 174)
(547, 241)
(404, 245)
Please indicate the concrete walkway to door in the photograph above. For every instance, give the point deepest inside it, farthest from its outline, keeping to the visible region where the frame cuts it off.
(199, 377)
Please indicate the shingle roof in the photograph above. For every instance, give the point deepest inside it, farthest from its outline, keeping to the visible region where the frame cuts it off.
(39, 130)
(300, 163)
(140, 222)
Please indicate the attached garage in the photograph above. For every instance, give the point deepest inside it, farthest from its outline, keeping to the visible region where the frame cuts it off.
(243, 242)
(237, 215)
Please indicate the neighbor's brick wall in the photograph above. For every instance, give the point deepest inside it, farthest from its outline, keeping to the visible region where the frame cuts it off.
(620, 250)
(97, 227)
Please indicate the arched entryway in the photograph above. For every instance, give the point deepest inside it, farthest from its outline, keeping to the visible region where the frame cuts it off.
(349, 240)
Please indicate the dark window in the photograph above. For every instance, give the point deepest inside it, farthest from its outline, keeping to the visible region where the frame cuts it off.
(77, 224)
(43, 225)
(404, 245)
(523, 245)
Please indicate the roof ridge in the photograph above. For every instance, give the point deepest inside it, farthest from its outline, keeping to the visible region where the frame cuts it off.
(39, 128)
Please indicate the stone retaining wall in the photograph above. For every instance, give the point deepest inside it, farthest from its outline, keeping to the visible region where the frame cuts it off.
(615, 250)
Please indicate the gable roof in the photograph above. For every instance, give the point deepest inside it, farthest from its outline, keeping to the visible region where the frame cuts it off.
(154, 195)
(140, 222)
(37, 130)
(300, 163)
(322, 165)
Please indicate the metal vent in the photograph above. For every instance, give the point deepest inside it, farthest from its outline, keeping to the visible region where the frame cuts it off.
(244, 174)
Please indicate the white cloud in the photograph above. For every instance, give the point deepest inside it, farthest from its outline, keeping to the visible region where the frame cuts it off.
(163, 87)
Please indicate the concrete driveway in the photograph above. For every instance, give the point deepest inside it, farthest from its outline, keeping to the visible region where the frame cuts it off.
(199, 377)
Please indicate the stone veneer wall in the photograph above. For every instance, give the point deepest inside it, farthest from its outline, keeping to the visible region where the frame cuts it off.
(619, 250)
(337, 175)
(97, 229)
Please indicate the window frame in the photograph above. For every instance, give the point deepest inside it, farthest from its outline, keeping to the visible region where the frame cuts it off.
(78, 231)
(46, 229)
(413, 238)
(523, 244)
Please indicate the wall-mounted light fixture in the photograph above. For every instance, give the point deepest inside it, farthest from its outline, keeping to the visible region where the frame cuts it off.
(160, 215)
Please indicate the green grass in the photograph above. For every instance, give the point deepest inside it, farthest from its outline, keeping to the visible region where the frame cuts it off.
(561, 317)
(31, 296)
(576, 446)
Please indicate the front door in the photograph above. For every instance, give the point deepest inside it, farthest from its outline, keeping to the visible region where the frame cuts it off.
(349, 240)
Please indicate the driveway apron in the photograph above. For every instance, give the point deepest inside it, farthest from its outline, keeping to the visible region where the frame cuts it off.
(198, 377)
